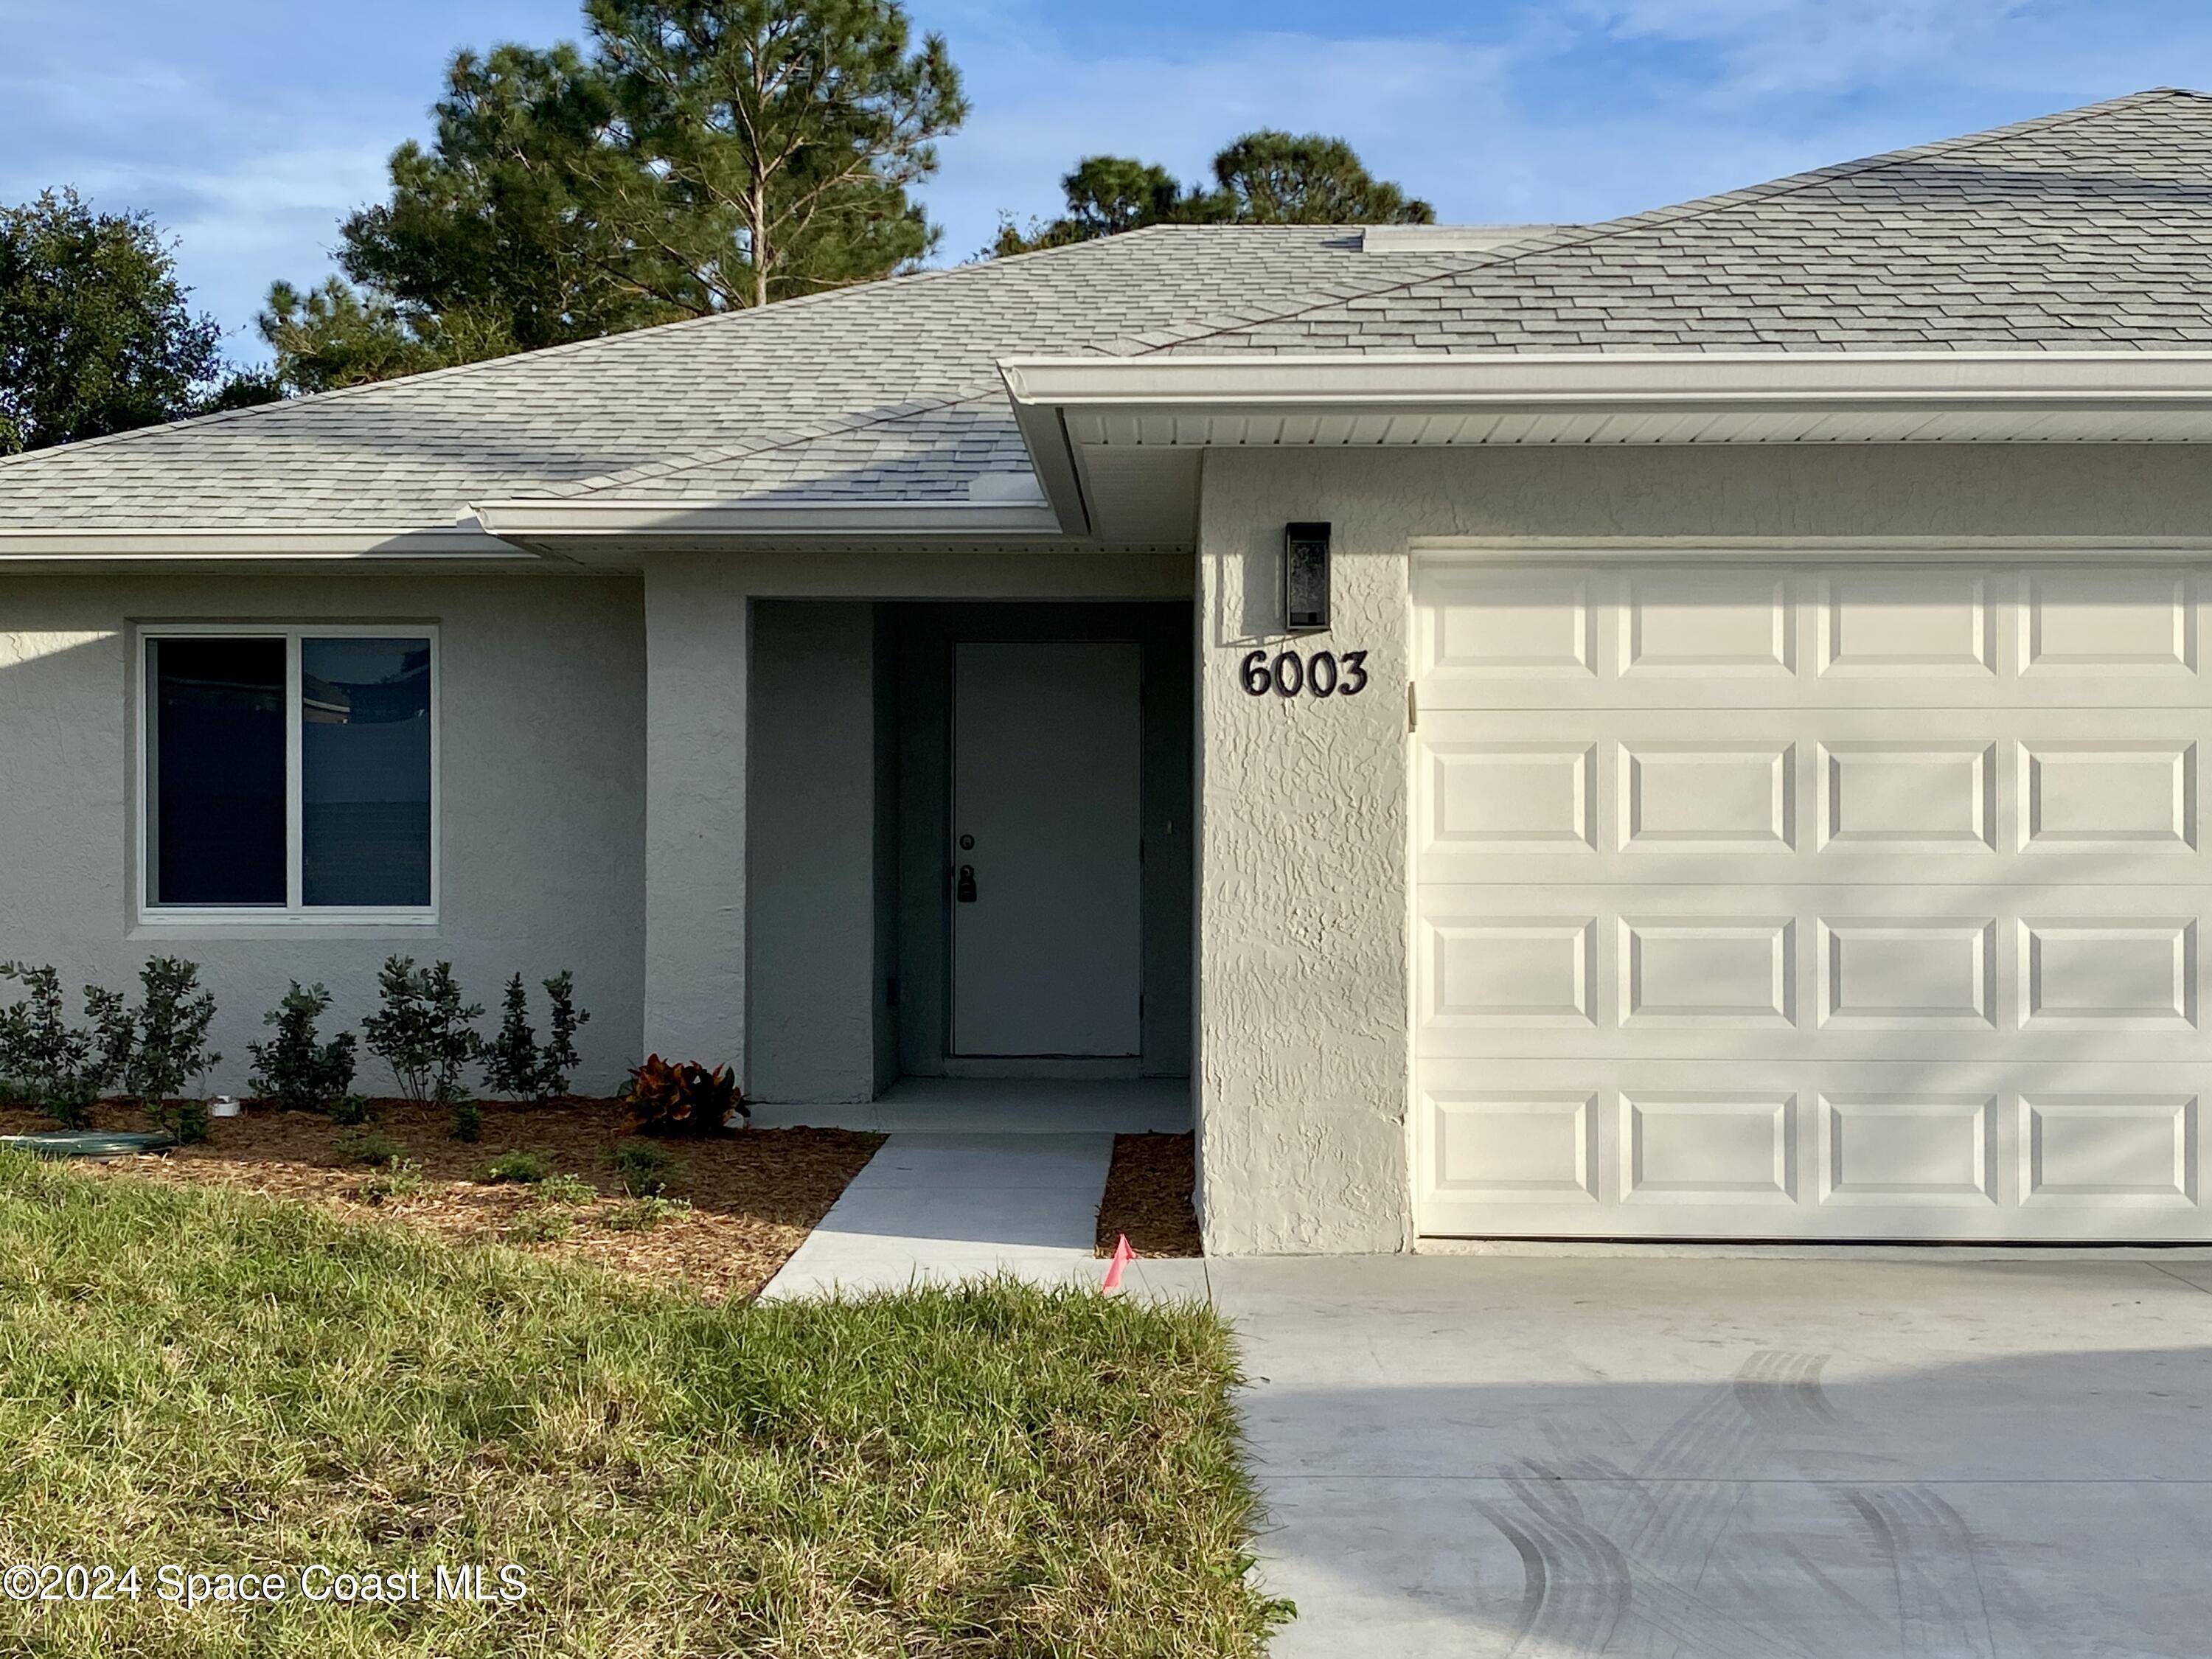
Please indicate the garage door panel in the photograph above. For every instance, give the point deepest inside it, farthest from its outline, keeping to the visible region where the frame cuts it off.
(1868, 1150)
(1522, 1146)
(1758, 972)
(1726, 1147)
(2102, 624)
(1707, 624)
(1694, 794)
(1500, 626)
(1914, 1147)
(1494, 634)
(1890, 976)
(1877, 623)
(2114, 793)
(1777, 899)
(2114, 1149)
(1895, 795)
(2044, 797)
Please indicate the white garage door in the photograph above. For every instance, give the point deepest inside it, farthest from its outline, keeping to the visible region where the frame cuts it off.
(1808, 901)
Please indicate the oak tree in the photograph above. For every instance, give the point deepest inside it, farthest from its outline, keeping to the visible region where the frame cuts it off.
(96, 332)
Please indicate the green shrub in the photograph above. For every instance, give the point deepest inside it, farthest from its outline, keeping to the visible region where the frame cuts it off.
(171, 1030)
(402, 1177)
(639, 1215)
(348, 1111)
(468, 1122)
(539, 1226)
(114, 1040)
(38, 1045)
(297, 1069)
(647, 1170)
(513, 1062)
(70, 1102)
(423, 1030)
(189, 1121)
(367, 1147)
(59, 1068)
(529, 1168)
(566, 1189)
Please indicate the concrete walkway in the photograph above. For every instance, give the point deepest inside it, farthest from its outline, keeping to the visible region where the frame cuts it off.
(940, 1206)
(1732, 1458)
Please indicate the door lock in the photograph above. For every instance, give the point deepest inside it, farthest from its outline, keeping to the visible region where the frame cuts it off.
(964, 889)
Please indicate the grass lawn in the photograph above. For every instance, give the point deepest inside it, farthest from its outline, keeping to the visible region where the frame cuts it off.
(228, 1383)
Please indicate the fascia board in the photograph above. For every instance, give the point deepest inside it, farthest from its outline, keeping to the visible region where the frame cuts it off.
(455, 544)
(664, 522)
(1932, 381)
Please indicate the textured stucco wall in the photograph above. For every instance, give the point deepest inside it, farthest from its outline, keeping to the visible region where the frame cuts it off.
(885, 953)
(1302, 1041)
(698, 643)
(542, 823)
(1301, 1056)
(812, 849)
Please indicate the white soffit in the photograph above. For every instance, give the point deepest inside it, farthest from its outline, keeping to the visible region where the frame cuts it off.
(1072, 409)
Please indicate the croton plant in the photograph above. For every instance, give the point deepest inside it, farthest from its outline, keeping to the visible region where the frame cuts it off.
(683, 1097)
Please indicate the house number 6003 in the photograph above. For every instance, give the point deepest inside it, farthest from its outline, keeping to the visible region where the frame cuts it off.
(1323, 674)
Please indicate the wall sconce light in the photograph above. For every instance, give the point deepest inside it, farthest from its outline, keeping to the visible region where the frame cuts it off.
(1305, 577)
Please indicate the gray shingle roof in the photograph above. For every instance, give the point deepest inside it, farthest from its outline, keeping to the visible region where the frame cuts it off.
(2087, 229)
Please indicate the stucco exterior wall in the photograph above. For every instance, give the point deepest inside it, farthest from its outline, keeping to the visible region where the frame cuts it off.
(1302, 1074)
(812, 813)
(1300, 1078)
(542, 816)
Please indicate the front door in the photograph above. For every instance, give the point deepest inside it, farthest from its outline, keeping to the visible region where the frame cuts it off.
(1046, 930)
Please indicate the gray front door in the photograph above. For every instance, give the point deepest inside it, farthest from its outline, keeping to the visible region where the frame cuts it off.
(1046, 921)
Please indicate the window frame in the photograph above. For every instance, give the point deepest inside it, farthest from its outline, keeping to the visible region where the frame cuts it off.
(293, 912)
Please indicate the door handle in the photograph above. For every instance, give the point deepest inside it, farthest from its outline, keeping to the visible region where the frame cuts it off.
(964, 889)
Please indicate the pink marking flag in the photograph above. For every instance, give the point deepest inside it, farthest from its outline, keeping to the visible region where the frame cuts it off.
(1123, 1256)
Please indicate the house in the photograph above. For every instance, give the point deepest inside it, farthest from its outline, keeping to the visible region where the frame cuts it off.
(1689, 727)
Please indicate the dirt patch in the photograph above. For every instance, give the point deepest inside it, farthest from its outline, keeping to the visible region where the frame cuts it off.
(1148, 1196)
(755, 1193)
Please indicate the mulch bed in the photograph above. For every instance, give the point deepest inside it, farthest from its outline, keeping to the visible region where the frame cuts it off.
(1148, 1196)
(755, 1193)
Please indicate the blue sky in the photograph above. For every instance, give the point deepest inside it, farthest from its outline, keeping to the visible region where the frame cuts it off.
(249, 127)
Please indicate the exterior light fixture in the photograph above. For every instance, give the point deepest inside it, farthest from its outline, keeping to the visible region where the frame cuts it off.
(1305, 577)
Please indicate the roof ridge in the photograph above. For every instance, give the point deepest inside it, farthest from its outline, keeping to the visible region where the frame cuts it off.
(1722, 201)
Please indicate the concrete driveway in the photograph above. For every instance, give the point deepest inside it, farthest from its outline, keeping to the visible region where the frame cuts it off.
(1732, 1458)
